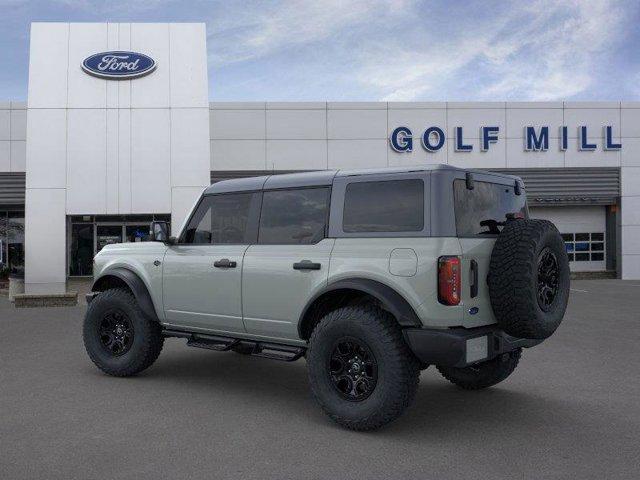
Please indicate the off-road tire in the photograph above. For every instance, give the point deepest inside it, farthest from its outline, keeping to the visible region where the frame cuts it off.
(485, 374)
(398, 370)
(147, 335)
(514, 274)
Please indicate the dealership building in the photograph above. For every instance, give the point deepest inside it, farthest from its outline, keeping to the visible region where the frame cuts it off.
(118, 130)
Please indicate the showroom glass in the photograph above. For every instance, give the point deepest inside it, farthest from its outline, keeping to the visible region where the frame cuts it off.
(483, 210)
(11, 242)
(4, 257)
(107, 235)
(81, 258)
(137, 233)
(294, 216)
(220, 219)
(90, 233)
(384, 206)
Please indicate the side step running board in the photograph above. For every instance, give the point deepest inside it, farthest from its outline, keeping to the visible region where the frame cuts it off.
(275, 351)
(212, 342)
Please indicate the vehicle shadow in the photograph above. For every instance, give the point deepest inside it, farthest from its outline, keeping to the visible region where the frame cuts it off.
(439, 410)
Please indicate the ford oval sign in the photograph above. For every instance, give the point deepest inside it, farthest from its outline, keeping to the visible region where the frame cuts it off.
(118, 65)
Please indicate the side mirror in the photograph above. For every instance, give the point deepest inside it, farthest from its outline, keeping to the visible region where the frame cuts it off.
(159, 232)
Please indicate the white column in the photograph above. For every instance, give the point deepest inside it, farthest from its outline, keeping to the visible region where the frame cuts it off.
(630, 230)
(45, 241)
(630, 179)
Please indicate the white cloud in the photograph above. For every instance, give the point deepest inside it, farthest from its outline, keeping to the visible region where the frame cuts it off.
(257, 30)
(396, 50)
(542, 51)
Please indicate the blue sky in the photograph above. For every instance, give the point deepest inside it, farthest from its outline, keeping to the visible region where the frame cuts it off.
(361, 50)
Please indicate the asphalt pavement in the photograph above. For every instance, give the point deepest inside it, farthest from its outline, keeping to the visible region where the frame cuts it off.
(571, 410)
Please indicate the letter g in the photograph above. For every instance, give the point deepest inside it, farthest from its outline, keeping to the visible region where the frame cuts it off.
(401, 139)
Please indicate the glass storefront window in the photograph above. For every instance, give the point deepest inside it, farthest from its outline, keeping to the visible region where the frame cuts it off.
(4, 258)
(91, 233)
(15, 240)
(11, 243)
(107, 234)
(137, 233)
(81, 252)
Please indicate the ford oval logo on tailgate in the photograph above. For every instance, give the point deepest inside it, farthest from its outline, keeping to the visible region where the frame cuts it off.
(118, 65)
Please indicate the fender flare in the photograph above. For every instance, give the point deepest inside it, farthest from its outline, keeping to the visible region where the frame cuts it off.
(135, 284)
(387, 296)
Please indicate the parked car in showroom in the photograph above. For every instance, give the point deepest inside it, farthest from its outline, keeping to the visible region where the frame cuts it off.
(370, 275)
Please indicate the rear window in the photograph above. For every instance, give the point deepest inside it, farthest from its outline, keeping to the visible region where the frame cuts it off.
(384, 206)
(483, 210)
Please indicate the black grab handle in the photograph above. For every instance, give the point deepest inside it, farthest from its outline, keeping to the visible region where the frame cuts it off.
(306, 265)
(224, 263)
(474, 279)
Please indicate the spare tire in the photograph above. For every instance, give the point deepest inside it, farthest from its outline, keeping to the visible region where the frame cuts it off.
(529, 278)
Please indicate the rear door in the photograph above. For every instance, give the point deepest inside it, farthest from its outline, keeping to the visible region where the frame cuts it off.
(202, 274)
(289, 262)
(480, 215)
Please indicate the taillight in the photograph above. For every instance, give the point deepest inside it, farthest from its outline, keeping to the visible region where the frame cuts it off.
(449, 280)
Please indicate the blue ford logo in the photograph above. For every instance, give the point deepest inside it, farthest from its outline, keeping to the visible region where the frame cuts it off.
(118, 65)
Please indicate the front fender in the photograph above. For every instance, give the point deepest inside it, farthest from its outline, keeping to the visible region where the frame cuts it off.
(135, 284)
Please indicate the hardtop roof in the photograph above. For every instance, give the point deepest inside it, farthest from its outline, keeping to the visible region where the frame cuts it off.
(325, 177)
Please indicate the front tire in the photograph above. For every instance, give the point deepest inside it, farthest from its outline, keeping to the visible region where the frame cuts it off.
(118, 337)
(485, 374)
(362, 373)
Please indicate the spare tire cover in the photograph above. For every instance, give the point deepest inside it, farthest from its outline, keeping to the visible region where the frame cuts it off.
(529, 278)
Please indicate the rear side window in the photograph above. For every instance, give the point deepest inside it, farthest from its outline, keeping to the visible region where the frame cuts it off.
(221, 219)
(483, 210)
(295, 216)
(384, 206)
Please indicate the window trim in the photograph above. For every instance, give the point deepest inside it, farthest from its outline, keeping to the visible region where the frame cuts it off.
(255, 207)
(325, 233)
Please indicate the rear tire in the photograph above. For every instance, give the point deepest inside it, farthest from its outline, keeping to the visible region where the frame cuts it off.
(118, 337)
(485, 374)
(361, 371)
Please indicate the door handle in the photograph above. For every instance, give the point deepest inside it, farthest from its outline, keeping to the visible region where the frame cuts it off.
(306, 265)
(224, 263)
(474, 279)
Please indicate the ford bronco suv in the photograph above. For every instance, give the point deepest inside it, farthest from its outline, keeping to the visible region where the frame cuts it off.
(370, 275)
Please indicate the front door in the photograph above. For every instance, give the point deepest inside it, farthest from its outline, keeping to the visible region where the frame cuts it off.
(202, 273)
(289, 263)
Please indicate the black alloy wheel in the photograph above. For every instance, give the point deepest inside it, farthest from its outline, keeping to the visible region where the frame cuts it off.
(548, 273)
(353, 369)
(116, 333)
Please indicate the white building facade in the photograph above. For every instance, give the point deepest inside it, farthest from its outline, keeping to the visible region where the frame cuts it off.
(102, 157)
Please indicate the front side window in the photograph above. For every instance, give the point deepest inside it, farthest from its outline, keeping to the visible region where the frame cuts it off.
(295, 216)
(220, 219)
(483, 210)
(384, 206)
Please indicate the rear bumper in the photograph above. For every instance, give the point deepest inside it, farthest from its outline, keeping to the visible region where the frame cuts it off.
(460, 347)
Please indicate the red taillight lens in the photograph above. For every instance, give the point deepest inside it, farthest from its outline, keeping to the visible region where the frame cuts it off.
(449, 280)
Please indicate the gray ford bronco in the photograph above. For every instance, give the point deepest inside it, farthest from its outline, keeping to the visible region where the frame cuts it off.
(370, 275)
